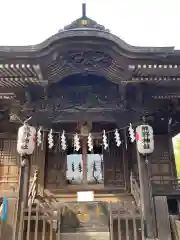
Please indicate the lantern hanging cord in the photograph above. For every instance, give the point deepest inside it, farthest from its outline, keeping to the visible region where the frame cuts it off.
(27, 120)
(72, 133)
(107, 132)
(18, 118)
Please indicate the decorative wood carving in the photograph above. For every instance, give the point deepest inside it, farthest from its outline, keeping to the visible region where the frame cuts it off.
(77, 98)
(86, 59)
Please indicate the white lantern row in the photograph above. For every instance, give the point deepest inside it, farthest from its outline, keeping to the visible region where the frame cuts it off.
(27, 138)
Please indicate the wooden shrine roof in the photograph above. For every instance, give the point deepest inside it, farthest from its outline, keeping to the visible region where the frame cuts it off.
(84, 46)
(92, 51)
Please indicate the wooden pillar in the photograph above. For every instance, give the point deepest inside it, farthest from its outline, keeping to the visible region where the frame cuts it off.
(25, 172)
(23, 192)
(41, 159)
(126, 162)
(84, 159)
(171, 150)
(147, 206)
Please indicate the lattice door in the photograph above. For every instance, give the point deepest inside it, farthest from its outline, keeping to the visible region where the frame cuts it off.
(114, 167)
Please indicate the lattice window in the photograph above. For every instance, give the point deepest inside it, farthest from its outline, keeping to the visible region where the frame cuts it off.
(9, 165)
(164, 156)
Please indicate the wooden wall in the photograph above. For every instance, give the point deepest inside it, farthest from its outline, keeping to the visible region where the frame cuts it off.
(10, 166)
(161, 163)
(55, 170)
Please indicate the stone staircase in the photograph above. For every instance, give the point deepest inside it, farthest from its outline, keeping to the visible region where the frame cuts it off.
(122, 218)
(58, 216)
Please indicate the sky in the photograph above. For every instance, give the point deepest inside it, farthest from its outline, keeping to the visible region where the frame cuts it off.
(138, 22)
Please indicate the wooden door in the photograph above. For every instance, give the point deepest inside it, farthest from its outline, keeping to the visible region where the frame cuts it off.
(55, 170)
(115, 167)
(161, 163)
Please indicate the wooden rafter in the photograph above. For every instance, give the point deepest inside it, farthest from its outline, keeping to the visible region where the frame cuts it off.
(19, 75)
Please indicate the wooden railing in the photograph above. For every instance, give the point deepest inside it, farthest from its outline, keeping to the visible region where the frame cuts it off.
(135, 190)
(33, 189)
(126, 225)
(46, 203)
(166, 186)
(175, 226)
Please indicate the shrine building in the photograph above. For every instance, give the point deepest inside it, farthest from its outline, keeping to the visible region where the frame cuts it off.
(85, 91)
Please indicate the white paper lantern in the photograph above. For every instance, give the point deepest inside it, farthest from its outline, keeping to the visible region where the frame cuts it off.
(145, 139)
(26, 140)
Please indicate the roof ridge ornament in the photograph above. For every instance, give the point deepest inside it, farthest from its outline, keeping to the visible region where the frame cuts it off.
(84, 22)
(84, 10)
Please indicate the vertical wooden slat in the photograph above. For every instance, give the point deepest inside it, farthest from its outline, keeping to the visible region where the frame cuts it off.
(119, 224)
(44, 230)
(36, 222)
(111, 221)
(142, 228)
(29, 222)
(127, 229)
(51, 228)
(21, 224)
(59, 225)
(134, 228)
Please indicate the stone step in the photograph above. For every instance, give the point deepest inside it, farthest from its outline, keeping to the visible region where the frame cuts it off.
(126, 205)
